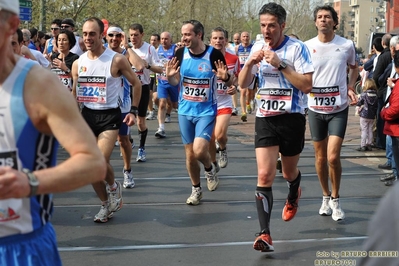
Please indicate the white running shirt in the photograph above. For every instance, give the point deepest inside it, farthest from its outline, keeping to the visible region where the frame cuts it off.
(330, 60)
(148, 53)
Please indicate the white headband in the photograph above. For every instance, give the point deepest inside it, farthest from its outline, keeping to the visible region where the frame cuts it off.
(112, 29)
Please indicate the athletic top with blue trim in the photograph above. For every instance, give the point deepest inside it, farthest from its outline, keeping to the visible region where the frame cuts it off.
(330, 91)
(243, 53)
(22, 146)
(164, 57)
(276, 95)
(126, 99)
(96, 87)
(197, 95)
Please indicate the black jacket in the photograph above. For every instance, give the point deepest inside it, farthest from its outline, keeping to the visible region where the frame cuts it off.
(383, 62)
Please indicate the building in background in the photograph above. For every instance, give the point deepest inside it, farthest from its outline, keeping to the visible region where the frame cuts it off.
(392, 16)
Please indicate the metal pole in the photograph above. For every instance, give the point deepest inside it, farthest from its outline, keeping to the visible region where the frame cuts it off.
(42, 25)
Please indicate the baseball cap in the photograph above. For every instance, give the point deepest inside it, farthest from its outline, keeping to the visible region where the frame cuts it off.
(67, 21)
(10, 5)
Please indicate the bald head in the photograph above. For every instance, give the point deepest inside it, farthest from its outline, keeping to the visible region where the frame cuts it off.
(166, 40)
(245, 38)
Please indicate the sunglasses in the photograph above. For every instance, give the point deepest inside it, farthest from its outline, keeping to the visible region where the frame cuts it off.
(111, 35)
(54, 28)
(65, 27)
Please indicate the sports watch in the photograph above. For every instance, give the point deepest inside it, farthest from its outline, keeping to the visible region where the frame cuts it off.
(33, 182)
(282, 65)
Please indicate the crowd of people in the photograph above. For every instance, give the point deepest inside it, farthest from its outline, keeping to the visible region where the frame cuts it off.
(112, 79)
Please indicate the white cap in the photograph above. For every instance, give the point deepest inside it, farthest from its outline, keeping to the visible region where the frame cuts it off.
(10, 5)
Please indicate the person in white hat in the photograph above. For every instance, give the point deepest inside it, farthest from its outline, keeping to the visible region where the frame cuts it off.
(34, 119)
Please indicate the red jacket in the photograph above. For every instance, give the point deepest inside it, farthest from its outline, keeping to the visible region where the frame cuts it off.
(391, 113)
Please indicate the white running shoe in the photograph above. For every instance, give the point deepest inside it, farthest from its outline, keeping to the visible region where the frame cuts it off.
(212, 179)
(150, 116)
(160, 133)
(196, 195)
(325, 209)
(168, 119)
(217, 167)
(103, 215)
(337, 213)
(128, 181)
(223, 160)
(115, 198)
(141, 155)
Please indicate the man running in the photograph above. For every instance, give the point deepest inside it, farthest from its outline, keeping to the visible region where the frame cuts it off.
(97, 84)
(285, 74)
(197, 75)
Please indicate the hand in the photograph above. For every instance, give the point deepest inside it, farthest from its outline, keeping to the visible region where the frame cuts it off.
(352, 96)
(171, 68)
(221, 72)
(130, 119)
(13, 184)
(232, 90)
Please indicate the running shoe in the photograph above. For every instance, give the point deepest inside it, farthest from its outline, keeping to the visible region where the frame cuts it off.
(141, 155)
(234, 112)
(291, 207)
(128, 181)
(160, 133)
(212, 179)
(150, 116)
(196, 195)
(223, 160)
(244, 117)
(390, 182)
(115, 198)
(387, 177)
(249, 109)
(337, 213)
(116, 143)
(103, 215)
(325, 209)
(167, 119)
(263, 243)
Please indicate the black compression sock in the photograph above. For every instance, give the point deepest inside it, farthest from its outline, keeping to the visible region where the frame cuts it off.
(293, 187)
(264, 206)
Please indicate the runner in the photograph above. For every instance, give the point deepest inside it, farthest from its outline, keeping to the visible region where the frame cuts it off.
(150, 56)
(197, 101)
(224, 100)
(97, 84)
(34, 119)
(285, 74)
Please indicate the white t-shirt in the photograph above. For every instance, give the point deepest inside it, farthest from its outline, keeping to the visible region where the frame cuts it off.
(330, 60)
(148, 53)
(40, 58)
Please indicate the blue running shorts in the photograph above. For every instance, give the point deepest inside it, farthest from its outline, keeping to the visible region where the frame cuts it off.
(196, 127)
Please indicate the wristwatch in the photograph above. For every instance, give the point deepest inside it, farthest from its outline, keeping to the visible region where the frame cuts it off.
(134, 111)
(282, 65)
(149, 66)
(33, 182)
(67, 71)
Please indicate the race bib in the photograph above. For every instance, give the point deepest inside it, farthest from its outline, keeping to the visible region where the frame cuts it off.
(324, 98)
(139, 73)
(92, 90)
(64, 78)
(273, 102)
(221, 88)
(196, 89)
(9, 158)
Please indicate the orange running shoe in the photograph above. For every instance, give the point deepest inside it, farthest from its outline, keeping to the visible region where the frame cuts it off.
(290, 208)
(263, 243)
